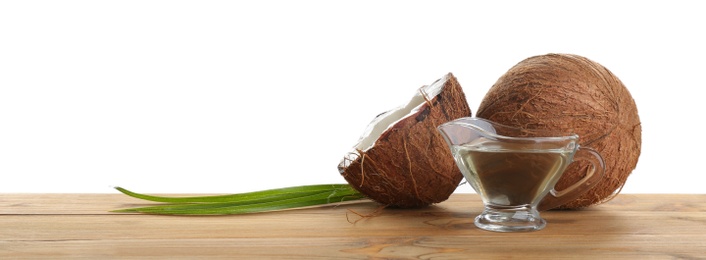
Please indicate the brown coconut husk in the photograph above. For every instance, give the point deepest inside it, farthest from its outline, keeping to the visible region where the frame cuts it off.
(572, 94)
(410, 165)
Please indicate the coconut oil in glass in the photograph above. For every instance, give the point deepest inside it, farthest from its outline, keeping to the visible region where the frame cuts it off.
(510, 174)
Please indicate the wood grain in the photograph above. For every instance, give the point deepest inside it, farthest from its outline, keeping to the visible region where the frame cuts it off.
(632, 226)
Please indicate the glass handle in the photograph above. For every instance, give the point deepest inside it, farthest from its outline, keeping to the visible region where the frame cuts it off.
(593, 176)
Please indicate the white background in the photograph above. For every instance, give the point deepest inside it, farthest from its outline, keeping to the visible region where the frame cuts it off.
(234, 96)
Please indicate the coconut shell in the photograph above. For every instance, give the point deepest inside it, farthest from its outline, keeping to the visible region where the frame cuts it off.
(410, 164)
(572, 94)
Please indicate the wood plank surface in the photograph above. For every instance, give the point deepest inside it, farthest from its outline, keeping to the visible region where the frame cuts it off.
(632, 226)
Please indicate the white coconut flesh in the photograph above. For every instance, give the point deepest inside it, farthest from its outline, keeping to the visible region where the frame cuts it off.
(387, 120)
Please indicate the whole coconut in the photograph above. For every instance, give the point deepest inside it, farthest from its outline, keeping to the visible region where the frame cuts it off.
(402, 160)
(572, 94)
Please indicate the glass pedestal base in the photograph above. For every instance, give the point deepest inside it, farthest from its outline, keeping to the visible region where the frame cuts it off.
(510, 219)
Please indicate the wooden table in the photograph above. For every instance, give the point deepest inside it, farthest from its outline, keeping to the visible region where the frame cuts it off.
(79, 225)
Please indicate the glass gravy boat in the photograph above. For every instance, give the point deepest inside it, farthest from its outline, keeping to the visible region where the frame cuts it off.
(514, 170)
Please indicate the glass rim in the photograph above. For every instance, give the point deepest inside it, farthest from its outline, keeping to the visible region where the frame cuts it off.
(548, 138)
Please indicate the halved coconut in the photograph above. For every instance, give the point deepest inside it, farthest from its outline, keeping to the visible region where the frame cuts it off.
(401, 160)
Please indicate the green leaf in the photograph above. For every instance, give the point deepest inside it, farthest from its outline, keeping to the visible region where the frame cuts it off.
(253, 202)
(266, 195)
